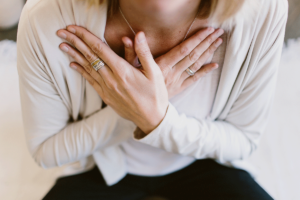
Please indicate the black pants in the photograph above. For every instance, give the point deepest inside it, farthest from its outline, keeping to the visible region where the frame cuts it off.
(203, 179)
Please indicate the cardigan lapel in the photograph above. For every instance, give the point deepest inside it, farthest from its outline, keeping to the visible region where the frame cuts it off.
(236, 62)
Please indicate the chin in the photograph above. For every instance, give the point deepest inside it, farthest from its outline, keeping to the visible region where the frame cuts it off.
(160, 6)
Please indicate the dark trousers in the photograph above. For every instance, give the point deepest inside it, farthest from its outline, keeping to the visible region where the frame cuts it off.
(203, 179)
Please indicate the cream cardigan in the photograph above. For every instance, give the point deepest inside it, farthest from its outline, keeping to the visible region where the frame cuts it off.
(63, 119)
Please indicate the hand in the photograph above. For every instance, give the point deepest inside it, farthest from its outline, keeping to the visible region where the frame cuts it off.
(139, 95)
(192, 53)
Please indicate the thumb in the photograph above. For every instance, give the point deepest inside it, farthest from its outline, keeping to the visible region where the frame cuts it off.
(144, 54)
(130, 55)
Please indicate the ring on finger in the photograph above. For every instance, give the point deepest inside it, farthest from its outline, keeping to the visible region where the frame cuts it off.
(97, 64)
(190, 72)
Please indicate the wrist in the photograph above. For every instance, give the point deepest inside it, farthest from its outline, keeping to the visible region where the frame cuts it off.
(153, 122)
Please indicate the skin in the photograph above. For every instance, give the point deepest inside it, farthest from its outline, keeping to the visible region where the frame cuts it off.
(141, 95)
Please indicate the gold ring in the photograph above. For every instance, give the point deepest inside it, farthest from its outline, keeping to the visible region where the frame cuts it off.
(97, 64)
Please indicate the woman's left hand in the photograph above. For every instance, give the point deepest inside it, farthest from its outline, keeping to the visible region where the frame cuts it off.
(139, 95)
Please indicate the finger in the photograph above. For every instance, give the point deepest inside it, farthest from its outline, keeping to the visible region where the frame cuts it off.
(130, 54)
(181, 51)
(81, 60)
(87, 53)
(78, 44)
(199, 74)
(198, 51)
(144, 54)
(98, 47)
(204, 57)
(88, 77)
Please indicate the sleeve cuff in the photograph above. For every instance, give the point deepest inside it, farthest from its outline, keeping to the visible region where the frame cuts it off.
(153, 136)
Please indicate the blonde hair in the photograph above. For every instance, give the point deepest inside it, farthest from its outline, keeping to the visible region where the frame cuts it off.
(217, 10)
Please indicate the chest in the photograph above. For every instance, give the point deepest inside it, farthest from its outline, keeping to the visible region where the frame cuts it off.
(198, 99)
(195, 101)
(160, 42)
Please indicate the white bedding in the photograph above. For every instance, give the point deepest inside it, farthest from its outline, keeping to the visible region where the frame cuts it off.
(277, 157)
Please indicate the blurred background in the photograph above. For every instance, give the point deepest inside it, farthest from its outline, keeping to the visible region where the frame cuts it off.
(277, 157)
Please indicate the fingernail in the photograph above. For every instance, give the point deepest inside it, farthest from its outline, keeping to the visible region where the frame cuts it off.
(216, 66)
(73, 66)
(72, 30)
(136, 62)
(141, 37)
(62, 35)
(64, 48)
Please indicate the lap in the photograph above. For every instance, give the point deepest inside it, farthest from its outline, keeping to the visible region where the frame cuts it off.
(91, 185)
(203, 179)
(206, 179)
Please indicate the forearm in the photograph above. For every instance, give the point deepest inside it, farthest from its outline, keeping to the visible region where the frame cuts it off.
(200, 139)
(80, 139)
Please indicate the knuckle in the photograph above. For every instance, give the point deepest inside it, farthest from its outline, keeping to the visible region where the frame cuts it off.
(72, 40)
(202, 36)
(197, 65)
(212, 49)
(209, 40)
(88, 68)
(184, 51)
(194, 56)
(89, 56)
(144, 52)
(165, 70)
(168, 81)
(97, 47)
(80, 34)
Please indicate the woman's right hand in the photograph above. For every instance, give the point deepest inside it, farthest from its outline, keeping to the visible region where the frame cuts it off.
(193, 53)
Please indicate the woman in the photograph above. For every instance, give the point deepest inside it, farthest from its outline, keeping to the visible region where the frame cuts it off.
(167, 129)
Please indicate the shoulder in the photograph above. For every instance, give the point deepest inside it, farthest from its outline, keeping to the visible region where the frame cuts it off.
(41, 19)
(273, 12)
(45, 10)
(275, 9)
(255, 11)
(264, 16)
(46, 16)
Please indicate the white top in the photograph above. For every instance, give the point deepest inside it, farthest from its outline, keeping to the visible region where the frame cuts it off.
(64, 122)
(146, 160)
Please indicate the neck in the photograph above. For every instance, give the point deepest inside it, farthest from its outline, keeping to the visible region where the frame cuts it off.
(160, 17)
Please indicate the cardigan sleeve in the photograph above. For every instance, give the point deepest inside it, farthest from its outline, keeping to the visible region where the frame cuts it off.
(54, 140)
(237, 136)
